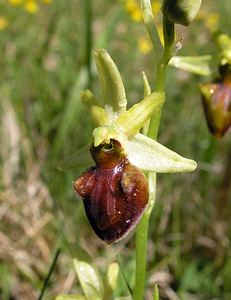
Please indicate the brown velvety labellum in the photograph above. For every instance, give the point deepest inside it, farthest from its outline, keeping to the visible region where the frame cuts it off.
(114, 192)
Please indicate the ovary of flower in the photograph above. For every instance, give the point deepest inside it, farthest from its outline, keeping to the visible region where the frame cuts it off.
(3, 23)
(144, 45)
(31, 6)
(15, 2)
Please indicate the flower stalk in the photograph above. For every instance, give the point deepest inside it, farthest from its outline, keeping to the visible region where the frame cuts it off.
(143, 226)
(88, 39)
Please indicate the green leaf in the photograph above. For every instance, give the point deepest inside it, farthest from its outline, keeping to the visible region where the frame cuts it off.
(156, 293)
(81, 158)
(112, 275)
(70, 297)
(90, 279)
(199, 65)
(149, 155)
(111, 81)
(73, 109)
(132, 120)
(111, 280)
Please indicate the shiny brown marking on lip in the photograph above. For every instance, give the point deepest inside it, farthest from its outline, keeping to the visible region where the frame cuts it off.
(114, 192)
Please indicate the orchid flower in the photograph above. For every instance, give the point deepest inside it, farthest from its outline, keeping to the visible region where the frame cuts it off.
(115, 191)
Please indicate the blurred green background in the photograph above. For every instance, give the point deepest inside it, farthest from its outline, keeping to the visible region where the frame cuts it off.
(44, 64)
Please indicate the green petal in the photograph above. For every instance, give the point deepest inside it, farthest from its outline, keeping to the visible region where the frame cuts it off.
(103, 135)
(199, 65)
(111, 82)
(131, 121)
(149, 155)
(98, 114)
(81, 158)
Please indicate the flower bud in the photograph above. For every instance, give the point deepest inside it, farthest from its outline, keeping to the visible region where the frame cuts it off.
(115, 192)
(224, 45)
(181, 11)
(216, 99)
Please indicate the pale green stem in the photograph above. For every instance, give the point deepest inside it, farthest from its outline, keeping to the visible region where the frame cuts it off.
(142, 228)
(88, 40)
(50, 272)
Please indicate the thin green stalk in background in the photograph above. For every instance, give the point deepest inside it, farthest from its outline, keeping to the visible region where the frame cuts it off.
(50, 272)
(88, 40)
(142, 228)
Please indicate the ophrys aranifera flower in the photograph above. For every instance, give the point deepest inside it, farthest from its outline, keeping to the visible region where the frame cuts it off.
(115, 190)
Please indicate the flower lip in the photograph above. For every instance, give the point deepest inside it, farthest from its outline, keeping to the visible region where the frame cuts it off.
(115, 192)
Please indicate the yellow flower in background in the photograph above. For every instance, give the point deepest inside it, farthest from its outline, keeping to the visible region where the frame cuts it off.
(144, 45)
(15, 2)
(156, 7)
(31, 6)
(134, 10)
(3, 23)
(210, 19)
(47, 1)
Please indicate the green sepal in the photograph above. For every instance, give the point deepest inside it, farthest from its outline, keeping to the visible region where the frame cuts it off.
(131, 121)
(149, 155)
(102, 135)
(98, 114)
(79, 159)
(111, 82)
(199, 65)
